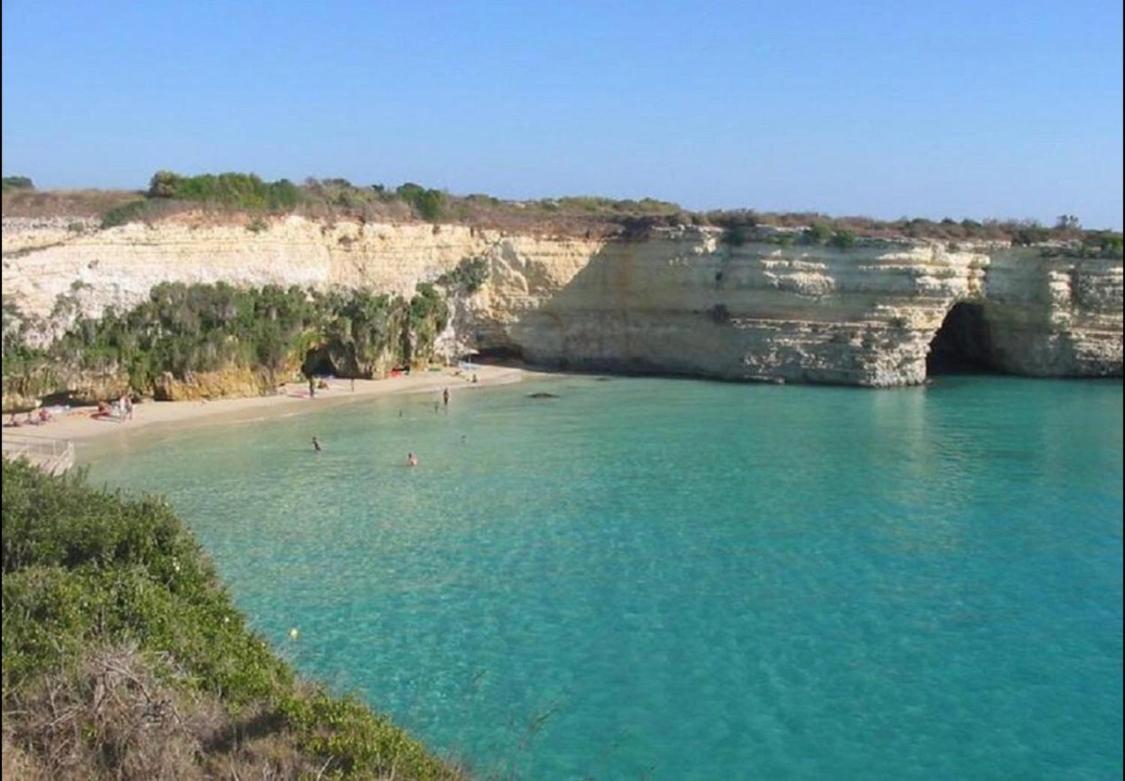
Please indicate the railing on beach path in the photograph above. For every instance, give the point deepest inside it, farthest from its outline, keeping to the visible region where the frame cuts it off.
(53, 456)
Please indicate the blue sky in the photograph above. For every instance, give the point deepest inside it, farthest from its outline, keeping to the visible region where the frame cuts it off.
(882, 108)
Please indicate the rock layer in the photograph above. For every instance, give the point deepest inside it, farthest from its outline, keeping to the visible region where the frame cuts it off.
(678, 301)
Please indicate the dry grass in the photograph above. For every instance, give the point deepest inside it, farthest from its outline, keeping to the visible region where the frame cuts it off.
(330, 201)
(64, 203)
(112, 718)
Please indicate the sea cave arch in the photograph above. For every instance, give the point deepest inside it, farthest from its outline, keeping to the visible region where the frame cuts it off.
(964, 343)
(327, 360)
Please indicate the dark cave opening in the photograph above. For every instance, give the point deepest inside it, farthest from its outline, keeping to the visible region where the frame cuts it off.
(963, 344)
(499, 354)
(318, 363)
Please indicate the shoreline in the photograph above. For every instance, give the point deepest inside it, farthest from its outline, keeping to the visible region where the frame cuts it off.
(90, 435)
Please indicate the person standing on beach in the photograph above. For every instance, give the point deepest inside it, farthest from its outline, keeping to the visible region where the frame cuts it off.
(445, 397)
(128, 406)
(312, 387)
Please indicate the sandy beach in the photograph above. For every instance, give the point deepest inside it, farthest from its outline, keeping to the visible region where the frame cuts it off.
(85, 431)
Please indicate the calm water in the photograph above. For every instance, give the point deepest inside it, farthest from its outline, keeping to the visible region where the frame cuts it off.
(668, 579)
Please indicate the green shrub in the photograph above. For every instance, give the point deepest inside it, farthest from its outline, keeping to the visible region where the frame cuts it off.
(429, 314)
(1100, 244)
(469, 276)
(17, 183)
(736, 235)
(132, 211)
(842, 239)
(428, 204)
(1030, 234)
(245, 191)
(818, 233)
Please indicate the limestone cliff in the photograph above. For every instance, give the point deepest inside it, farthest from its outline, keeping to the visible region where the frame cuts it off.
(678, 301)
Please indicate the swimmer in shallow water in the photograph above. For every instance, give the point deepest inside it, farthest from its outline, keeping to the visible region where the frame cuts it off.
(316, 444)
(411, 459)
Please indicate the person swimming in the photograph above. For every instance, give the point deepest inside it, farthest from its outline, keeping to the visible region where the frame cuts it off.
(411, 459)
(316, 444)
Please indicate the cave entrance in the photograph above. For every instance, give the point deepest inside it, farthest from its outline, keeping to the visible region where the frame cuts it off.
(963, 344)
(499, 354)
(318, 363)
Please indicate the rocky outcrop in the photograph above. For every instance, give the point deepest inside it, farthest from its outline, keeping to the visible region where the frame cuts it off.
(678, 301)
(222, 383)
(866, 315)
(25, 390)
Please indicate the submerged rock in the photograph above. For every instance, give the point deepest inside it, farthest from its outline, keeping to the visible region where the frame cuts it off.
(541, 395)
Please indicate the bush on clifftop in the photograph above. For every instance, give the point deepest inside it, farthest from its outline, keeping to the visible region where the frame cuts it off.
(246, 191)
(17, 183)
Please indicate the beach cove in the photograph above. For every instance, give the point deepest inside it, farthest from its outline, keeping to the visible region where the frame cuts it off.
(585, 583)
(89, 432)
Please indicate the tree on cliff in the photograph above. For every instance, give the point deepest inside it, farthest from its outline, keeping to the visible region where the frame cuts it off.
(17, 183)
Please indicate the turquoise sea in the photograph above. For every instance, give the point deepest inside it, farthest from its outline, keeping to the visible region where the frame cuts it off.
(671, 579)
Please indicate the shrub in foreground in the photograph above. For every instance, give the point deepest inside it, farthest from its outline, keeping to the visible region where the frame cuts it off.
(124, 657)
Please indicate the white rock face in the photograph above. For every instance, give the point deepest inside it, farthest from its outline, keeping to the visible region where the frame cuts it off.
(678, 302)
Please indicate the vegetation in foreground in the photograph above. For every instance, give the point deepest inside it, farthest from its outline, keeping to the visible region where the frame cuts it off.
(124, 658)
(247, 198)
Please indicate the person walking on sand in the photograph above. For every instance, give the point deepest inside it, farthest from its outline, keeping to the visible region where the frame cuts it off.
(316, 444)
(312, 388)
(411, 459)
